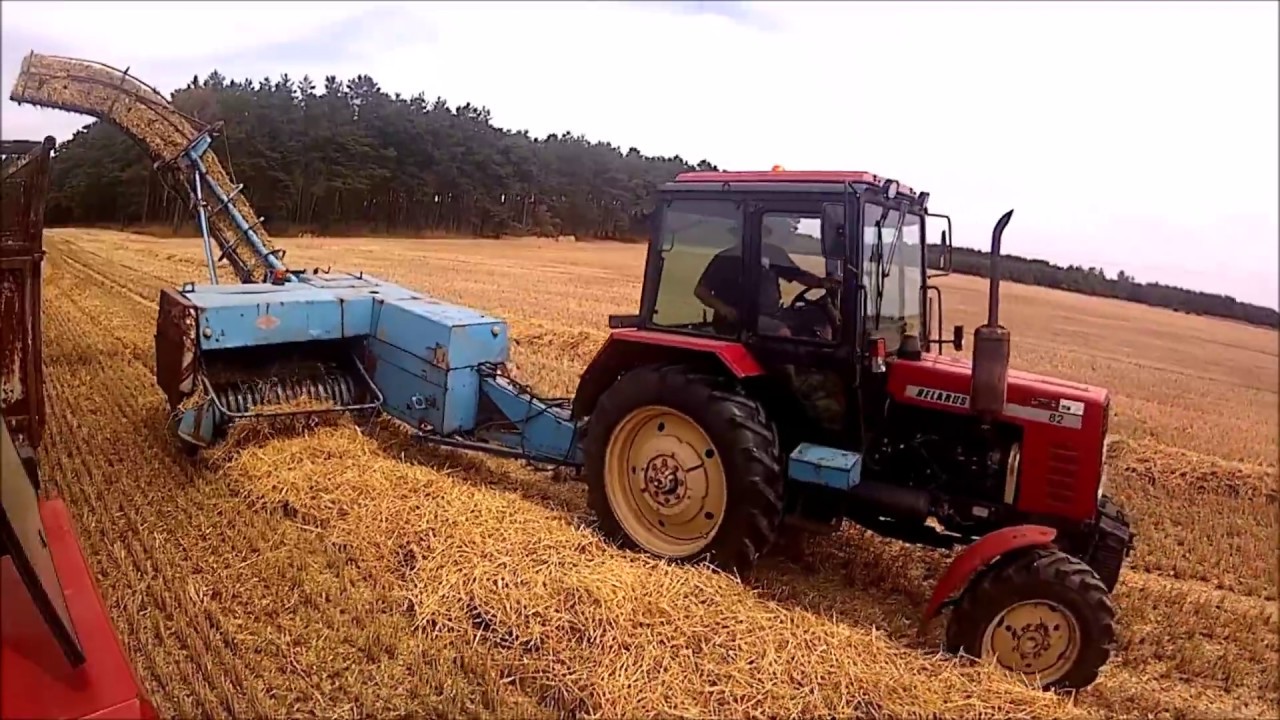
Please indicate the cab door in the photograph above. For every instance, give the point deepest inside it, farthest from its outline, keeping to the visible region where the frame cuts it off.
(802, 346)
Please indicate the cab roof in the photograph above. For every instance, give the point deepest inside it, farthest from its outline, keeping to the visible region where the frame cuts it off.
(788, 176)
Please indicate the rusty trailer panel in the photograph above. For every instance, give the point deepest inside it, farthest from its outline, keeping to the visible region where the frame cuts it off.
(176, 365)
(24, 185)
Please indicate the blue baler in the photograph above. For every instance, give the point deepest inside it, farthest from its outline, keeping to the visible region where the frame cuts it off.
(354, 342)
(359, 343)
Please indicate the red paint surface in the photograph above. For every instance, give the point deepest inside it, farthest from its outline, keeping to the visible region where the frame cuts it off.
(798, 176)
(37, 681)
(979, 554)
(1045, 484)
(737, 358)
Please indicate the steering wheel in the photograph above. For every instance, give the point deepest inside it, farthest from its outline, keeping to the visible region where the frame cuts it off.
(802, 299)
(823, 301)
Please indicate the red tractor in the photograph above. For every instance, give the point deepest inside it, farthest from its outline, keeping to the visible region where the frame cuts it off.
(782, 370)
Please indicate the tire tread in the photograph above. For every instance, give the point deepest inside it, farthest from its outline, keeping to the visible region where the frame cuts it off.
(996, 587)
(742, 433)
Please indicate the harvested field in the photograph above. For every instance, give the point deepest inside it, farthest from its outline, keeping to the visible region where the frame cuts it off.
(323, 570)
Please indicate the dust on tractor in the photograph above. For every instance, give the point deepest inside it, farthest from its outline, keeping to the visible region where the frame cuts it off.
(785, 367)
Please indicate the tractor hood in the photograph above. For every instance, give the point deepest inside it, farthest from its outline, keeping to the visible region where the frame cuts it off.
(939, 380)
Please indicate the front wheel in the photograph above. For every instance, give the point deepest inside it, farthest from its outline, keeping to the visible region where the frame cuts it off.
(683, 466)
(1041, 613)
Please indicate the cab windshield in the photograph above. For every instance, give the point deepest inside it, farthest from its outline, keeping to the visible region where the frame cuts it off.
(892, 271)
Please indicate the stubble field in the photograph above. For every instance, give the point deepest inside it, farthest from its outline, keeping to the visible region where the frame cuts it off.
(347, 572)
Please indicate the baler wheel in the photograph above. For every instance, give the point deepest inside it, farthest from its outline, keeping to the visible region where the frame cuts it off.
(1041, 613)
(683, 466)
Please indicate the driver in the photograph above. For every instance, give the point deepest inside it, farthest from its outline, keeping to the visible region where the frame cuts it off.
(721, 285)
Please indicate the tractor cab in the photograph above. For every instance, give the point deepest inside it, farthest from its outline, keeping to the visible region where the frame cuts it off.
(822, 276)
(817, 264)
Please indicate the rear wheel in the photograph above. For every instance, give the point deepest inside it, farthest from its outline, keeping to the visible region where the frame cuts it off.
(681, 465)
(1040, 613)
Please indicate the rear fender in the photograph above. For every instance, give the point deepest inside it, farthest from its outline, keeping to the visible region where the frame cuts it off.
(982, 553)
(627, 349)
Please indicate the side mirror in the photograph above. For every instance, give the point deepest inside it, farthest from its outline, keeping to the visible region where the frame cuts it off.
(957, 337)
(943, 252)
(833, 234)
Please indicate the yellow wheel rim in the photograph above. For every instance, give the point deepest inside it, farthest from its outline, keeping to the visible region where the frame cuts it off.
(665, 482)
(1035, 637)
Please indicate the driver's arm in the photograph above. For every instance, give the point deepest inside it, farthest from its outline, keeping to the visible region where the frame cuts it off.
(788, 270)
(804, 277)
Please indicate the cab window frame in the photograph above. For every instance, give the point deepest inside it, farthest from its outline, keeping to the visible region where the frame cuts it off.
(655, 261)
(778, 203)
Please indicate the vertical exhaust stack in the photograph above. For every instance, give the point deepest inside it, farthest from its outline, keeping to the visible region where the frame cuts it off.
(991, 343)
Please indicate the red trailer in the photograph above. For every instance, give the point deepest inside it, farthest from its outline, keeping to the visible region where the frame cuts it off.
(60, 656)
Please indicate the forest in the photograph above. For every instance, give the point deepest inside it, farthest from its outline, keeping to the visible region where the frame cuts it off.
(350, 159)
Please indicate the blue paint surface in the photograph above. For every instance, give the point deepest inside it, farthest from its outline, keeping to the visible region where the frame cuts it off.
(422, 395)
(543, 431)
(331, 307)
(822, 465)
(425, 356)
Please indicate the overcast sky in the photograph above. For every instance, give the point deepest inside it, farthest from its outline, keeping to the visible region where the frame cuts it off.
(1140, 136)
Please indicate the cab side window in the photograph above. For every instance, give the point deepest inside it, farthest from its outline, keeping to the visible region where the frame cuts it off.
(791, 264)
(700, 280)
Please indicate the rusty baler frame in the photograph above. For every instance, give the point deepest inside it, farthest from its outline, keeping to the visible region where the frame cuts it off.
(24, 172)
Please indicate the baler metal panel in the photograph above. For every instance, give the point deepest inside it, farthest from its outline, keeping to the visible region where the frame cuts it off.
(447, 336)
(233, 321)
(423, 395)
(426, 353)
(543, 431)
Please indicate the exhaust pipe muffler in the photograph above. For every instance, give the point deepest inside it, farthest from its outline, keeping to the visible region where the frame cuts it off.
(991, 343)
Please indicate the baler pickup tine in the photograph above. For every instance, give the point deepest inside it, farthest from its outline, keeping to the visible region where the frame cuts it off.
(338, 388)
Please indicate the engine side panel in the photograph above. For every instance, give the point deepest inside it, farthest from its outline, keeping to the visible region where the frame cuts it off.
(1062, 423)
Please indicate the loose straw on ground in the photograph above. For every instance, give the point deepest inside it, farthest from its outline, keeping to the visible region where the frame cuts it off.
(579, 625)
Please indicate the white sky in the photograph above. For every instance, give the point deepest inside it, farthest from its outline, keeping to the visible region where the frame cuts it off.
(1140, 136)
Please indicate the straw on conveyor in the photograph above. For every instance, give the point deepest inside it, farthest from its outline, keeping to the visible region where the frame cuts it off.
(112, 95)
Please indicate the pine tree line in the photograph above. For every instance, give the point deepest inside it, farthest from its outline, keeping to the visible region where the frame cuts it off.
(350, 158)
